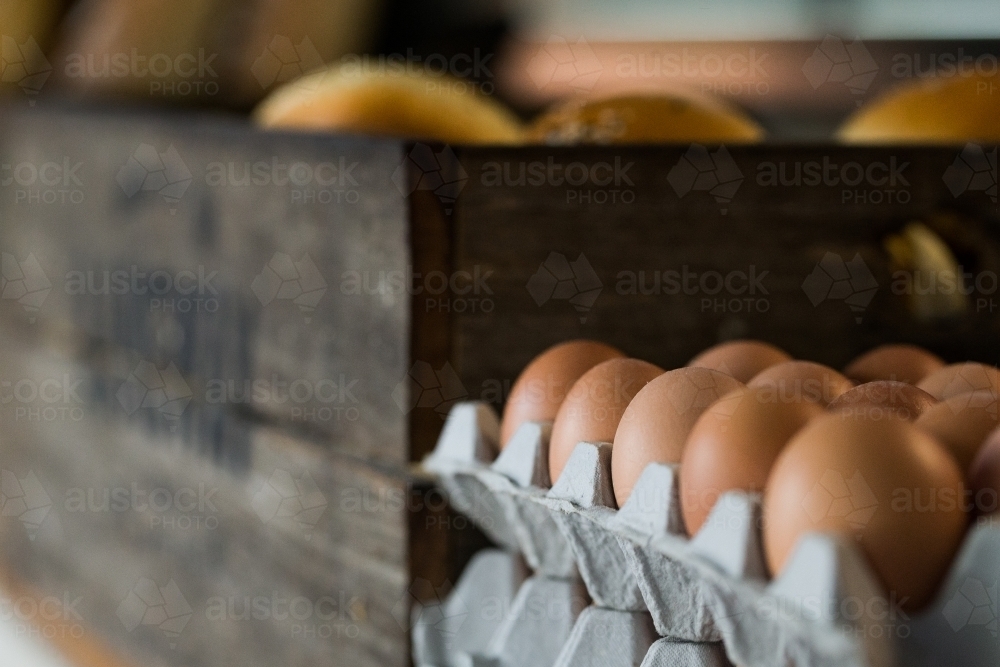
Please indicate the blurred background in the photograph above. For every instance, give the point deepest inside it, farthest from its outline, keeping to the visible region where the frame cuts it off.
(227, 54)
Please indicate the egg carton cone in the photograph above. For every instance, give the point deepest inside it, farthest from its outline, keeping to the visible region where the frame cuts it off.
(519, 477)
(609, 638)
(466, 621)
(495, 493)
(681, 609)
(468, 444)
(670, 653)
(537, 627)
(580, 504)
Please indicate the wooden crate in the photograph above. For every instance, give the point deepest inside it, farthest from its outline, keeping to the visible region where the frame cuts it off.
(376, 364)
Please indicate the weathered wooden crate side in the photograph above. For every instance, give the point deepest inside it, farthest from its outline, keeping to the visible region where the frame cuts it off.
(243, 258)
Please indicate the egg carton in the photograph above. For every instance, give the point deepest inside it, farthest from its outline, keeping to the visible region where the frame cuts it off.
(496, 617)
(711, 592)
(466, 621)
(538, 620)
(547, 624)
(467, 446)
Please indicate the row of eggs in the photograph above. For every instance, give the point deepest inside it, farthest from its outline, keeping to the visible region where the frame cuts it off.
(899, 451)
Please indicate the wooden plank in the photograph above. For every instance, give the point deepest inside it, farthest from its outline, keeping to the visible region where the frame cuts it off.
(317, 210)
(321, 543)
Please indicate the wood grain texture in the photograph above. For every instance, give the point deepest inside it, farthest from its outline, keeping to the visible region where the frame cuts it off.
(780, 232)
(302, 558)
(325, 209)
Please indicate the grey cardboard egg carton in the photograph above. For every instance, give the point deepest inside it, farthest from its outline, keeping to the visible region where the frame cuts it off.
(549, 621)
(536, 621)
(659, 597)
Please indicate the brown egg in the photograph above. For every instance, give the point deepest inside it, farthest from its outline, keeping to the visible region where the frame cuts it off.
(742, 359)
(955, 379)
(961, 423)
(903, 363)
(792, 380)
(881, 400)
(544, 383)
(885, 483)
(733, 446)
(657, 422)
(594, 406)
(984, 476)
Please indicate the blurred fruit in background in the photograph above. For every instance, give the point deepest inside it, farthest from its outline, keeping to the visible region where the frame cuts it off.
(229, 54)
(937, 111)
(402, 105)
(675, 117)
(640, 72)
(204, 49)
